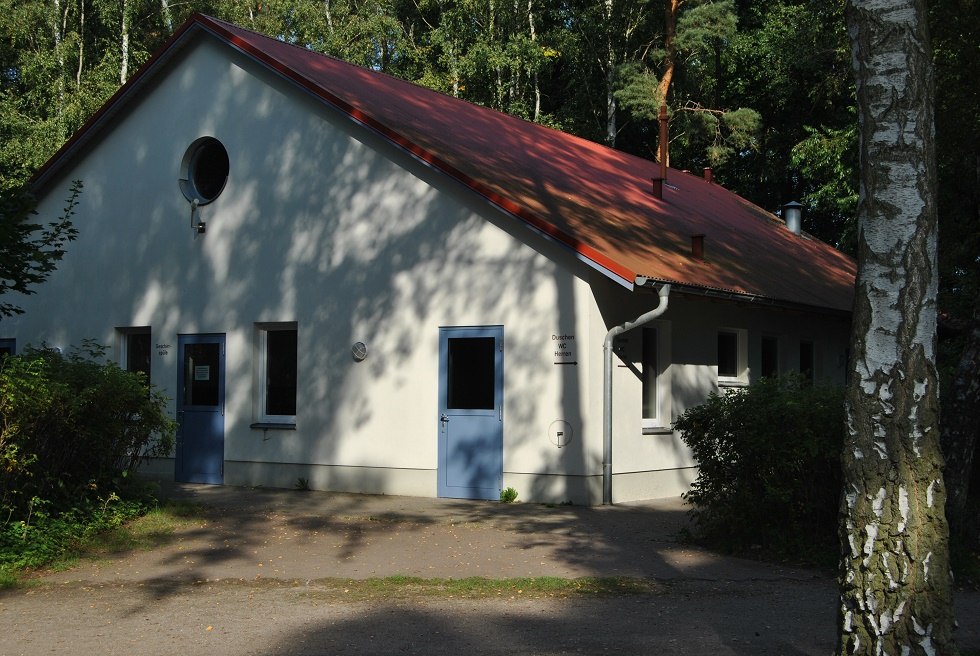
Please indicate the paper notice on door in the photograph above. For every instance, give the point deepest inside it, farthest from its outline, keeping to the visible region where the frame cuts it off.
(202, 372)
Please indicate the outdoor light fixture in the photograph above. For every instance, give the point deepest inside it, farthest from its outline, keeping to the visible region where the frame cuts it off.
(793, 216)
(199, 226)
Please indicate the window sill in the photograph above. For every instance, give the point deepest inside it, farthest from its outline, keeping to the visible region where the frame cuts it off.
(658, 430)
(272, 426)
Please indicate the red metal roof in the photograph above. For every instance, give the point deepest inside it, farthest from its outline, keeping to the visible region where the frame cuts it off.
(594, 199)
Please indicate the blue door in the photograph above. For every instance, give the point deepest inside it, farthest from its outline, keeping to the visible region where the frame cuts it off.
(201, 409)
(471, 433)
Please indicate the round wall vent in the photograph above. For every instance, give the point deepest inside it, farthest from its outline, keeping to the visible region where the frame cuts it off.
(204, 170)
(359, 351)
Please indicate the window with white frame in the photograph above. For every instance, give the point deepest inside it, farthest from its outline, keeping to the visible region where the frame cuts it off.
(732, 357)
(277, 364)
(655, 377)
(8, 346)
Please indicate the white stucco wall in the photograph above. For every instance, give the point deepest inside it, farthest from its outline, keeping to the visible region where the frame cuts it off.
(324, 224)
(320, 224)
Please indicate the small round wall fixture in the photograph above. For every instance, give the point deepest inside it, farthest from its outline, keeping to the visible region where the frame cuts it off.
(560, 433)
(204, 170)
(359, 351)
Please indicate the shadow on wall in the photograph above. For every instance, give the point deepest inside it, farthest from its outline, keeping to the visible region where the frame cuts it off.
(342, 240)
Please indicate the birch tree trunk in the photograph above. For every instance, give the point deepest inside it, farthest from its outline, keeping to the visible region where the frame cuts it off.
(168, 18)
(124, 44)
(610, 78)
(534, 40)
(895, 586)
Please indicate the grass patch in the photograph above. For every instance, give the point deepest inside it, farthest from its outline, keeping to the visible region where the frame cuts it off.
(58, 543)
(153, 529)
(404, 587)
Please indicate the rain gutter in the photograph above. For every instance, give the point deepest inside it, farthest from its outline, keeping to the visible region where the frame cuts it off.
(607, 387)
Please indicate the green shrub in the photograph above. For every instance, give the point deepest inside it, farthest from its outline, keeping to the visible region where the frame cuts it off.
(508, 495)
(769, 468)
(72, 428)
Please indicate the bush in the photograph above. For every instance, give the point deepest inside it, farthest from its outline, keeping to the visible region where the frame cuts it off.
(72, 429)
(770, 474)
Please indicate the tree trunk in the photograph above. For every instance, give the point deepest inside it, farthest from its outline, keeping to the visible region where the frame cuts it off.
(671, 9)
(534, 40)
(895, 586)
(59, 31)
(124, 45)
(610, 79)
(168, 18)
(81, 44)
(961, 422)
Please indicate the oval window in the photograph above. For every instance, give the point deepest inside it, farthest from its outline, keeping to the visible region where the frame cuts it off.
(204, 170)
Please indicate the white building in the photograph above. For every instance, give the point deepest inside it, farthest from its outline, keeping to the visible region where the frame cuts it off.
(346, 278)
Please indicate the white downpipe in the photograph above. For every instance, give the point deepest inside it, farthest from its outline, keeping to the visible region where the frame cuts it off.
(607, 387)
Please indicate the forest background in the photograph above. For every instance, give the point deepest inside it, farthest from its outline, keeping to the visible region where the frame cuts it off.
(761, 92)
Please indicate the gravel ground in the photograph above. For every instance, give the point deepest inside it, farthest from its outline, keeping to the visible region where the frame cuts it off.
(265, 571)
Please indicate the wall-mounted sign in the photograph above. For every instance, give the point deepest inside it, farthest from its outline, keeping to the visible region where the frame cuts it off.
(202, 373)
(564, 349)
(163, 349)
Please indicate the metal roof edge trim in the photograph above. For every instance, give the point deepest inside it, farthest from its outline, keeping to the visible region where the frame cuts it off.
(620, 273)
(738, 297)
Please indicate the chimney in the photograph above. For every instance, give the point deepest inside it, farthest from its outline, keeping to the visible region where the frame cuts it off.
(709, 175)
(658, 188)
(697, 247)
(662, 117)
(793, 216)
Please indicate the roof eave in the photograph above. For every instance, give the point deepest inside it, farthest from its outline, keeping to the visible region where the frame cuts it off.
(643, 282)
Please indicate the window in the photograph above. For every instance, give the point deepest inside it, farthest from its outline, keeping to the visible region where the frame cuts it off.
(204, 170)
(134, 349)
(655, 354)
(8, 347)
(277, 373)
(769, 366)
(470, 373)
(806, 360)
(732, 358)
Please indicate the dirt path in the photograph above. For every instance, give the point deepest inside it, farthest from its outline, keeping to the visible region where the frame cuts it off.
(264, 573)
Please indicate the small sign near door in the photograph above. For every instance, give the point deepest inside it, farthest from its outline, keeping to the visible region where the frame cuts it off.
(564, 348)
(202, 372)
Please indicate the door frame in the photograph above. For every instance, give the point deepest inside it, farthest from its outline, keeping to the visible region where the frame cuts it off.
(487, 489)
(180, 473)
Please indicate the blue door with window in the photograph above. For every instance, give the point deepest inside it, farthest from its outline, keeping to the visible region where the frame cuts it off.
(201, 409)
(471, 383)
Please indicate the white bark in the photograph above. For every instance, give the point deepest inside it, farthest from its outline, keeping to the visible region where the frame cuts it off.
(124, 44)
(892, 600)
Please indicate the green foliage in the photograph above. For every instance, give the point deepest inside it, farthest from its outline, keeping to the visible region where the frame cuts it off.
(769, 468)
(44, 536)
(508, 495)
(29, 251)
(73, 429)
(827, 162)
